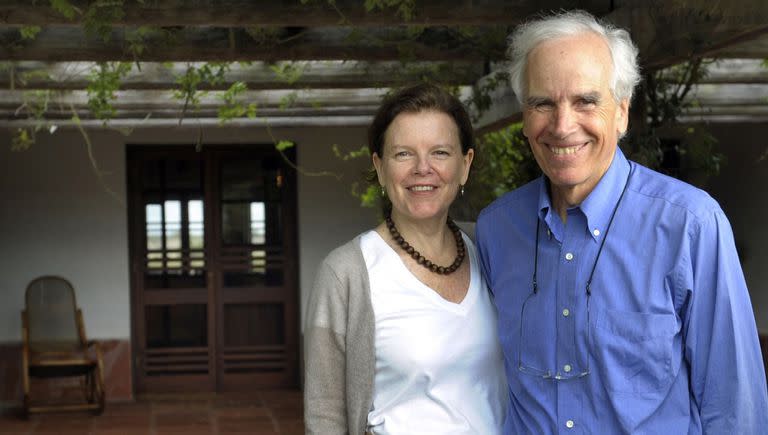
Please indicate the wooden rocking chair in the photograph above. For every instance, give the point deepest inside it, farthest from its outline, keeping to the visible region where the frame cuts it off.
(54, 345)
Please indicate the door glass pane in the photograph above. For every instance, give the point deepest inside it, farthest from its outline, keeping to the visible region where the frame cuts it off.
(154, 232)
(196, 228)
(250, 212)
(176, 325)
(196, 236)
(174, 224)
(258, 225)
(251, 223)
(173, 235)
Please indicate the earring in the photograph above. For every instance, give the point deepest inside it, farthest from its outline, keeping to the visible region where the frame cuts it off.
(462, 189)
(383, 192)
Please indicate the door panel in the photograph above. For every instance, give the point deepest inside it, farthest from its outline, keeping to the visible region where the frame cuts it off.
(213, 268)
(256, 339)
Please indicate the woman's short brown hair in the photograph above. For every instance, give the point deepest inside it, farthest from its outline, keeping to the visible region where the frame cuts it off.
(415, 99)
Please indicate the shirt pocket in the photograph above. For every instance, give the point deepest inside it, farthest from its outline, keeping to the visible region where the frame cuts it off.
(633, 351)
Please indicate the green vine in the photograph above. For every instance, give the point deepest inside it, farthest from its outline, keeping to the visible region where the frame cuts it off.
(104, 81)
(189, 83)
(405, 9)
(65, 8)
(232, 107)
(98, 19)
(29, 32)
(658, 140)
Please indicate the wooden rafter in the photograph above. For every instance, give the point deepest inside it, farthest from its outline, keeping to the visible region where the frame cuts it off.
(318, 13)
(257, 75)
(67, 43)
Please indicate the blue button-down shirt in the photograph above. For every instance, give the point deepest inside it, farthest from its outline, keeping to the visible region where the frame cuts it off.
(665, 343)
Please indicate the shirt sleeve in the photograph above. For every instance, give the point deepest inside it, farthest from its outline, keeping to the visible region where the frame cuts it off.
(721, 343)
(324, 354)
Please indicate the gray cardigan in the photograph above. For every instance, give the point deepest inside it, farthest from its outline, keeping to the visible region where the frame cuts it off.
(339, 344)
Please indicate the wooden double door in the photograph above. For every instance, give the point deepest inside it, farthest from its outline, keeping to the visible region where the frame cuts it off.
(213, 268)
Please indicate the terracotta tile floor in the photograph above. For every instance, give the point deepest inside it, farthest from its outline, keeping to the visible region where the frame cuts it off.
(258, 412)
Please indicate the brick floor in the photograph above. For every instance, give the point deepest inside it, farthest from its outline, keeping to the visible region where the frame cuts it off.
(257, 412)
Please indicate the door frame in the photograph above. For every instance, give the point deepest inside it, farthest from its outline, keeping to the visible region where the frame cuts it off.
(210, 156)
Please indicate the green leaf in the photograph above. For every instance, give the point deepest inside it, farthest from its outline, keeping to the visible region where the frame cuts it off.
(64, 7)
(283, 145)
(29, 32)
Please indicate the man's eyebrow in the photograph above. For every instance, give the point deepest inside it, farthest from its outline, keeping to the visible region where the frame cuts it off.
(590, 96)
(535, 101)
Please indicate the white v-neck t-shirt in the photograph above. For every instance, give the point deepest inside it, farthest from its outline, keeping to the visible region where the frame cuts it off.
(439, 365)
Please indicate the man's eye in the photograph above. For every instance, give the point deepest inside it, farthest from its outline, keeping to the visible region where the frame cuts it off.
(401, 154)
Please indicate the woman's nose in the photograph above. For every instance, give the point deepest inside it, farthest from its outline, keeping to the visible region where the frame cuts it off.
(423, 165)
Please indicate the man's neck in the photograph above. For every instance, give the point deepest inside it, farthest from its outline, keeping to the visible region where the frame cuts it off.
(564, 198)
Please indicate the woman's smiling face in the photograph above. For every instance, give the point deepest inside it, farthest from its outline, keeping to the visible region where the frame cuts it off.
(422, 166)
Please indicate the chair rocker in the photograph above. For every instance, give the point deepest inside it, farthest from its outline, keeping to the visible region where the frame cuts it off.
(55, 346)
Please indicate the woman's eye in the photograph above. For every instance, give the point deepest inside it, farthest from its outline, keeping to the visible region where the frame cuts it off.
(401, 154)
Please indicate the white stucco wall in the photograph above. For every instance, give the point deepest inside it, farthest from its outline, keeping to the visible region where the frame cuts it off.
(57, 218)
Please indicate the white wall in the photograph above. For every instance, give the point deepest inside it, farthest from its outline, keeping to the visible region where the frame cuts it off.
(742, 190)
(57, 218)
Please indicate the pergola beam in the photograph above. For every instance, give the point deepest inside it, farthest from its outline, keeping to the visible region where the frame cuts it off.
(671, 32)
(279, 13)
(257, 75)
(66, 43)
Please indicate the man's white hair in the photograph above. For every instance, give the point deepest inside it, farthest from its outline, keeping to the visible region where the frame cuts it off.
(625, 74)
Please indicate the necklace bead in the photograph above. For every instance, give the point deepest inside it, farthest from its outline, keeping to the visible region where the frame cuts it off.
(420, 259)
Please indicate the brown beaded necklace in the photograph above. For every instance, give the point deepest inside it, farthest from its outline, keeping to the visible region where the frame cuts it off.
(416, 255)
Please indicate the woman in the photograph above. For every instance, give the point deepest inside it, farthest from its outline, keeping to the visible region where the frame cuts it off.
(401, 333)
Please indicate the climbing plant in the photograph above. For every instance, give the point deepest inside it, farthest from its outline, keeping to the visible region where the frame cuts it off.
(657, 138)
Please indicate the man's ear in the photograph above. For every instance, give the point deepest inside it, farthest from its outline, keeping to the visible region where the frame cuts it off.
(622, 116)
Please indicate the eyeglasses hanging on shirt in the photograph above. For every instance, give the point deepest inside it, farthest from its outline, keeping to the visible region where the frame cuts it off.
(572, 370)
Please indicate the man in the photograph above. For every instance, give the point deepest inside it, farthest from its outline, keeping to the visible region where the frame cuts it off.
(622, 304)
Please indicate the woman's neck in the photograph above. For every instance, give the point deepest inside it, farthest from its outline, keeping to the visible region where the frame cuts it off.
(431, 237)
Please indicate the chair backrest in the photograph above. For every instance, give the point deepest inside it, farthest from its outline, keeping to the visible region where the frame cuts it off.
(51, 314)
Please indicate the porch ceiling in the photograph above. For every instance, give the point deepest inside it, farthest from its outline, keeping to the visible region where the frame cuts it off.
(348, 58)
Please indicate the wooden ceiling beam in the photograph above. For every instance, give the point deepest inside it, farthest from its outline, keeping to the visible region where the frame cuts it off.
(149, 100)
(258, 75)
(65, 43)
(320, 13)
(671, 32)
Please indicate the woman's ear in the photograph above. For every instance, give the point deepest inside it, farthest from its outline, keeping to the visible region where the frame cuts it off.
(468, 158)
(377, 165)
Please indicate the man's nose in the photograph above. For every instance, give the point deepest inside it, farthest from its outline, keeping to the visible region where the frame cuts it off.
(564, 121)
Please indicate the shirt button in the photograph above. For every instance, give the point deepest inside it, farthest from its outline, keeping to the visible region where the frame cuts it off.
(596, 232)
(569, 256)
(567, 368)
(569, 424)
(566, 312)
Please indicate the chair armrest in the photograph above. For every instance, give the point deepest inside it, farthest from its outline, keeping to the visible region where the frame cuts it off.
(97, 349)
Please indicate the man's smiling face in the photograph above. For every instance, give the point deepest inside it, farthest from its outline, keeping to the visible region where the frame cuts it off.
(571, 118)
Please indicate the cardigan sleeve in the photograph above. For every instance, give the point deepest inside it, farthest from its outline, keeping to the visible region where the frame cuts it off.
(324, 352)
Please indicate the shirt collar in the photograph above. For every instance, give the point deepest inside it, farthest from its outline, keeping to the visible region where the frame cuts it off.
(598, 205)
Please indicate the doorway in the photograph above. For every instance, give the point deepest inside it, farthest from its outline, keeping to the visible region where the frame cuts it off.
(214, 272)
